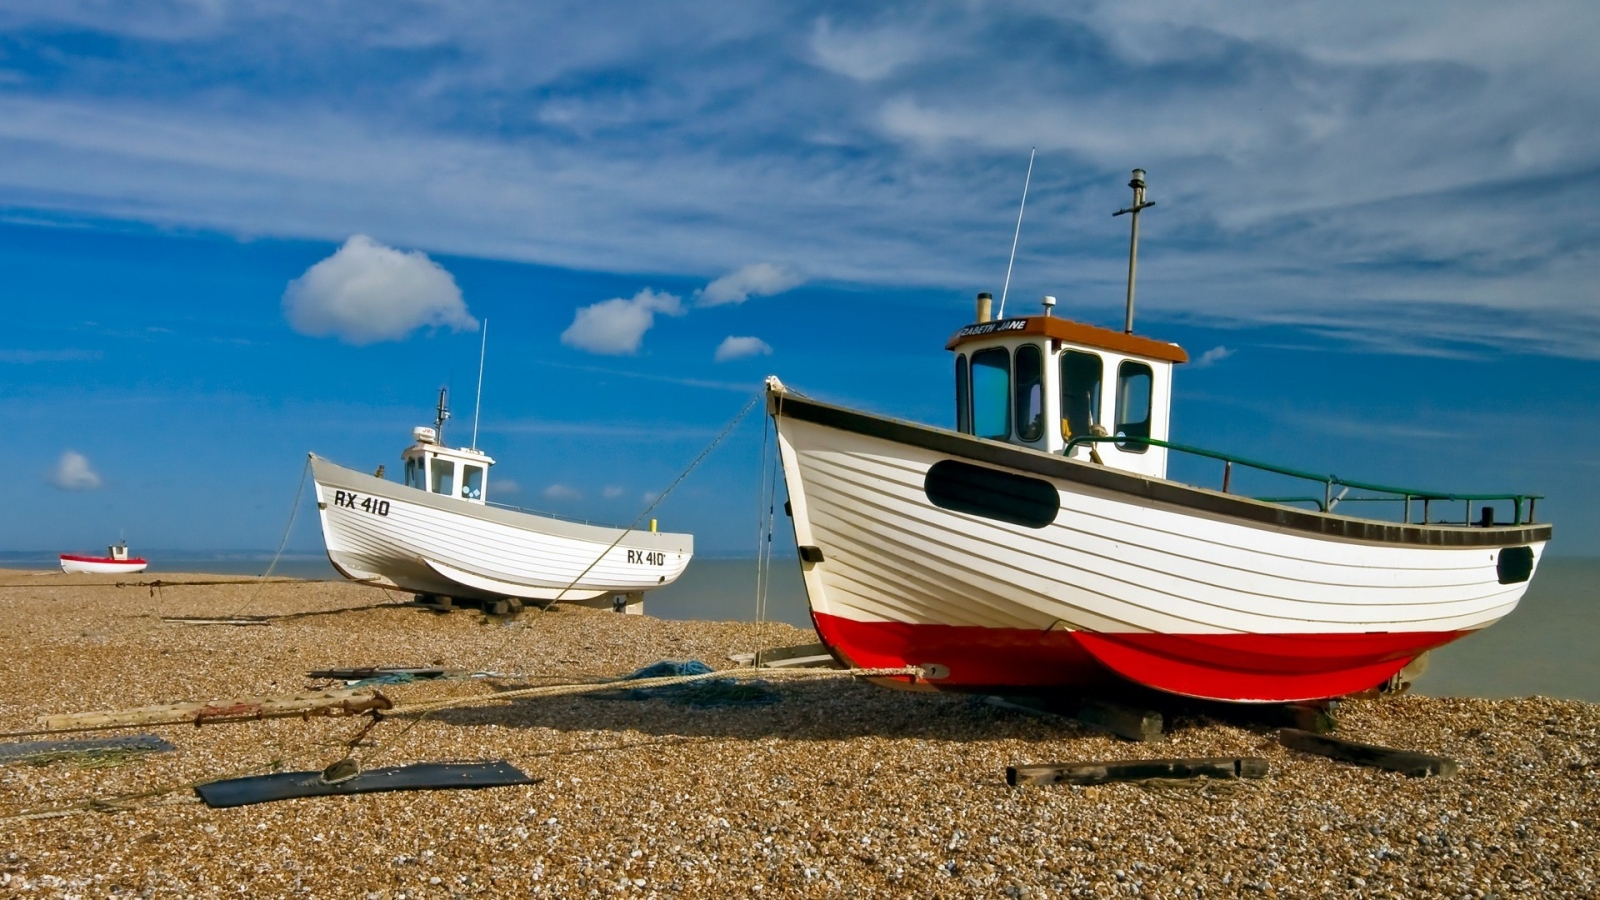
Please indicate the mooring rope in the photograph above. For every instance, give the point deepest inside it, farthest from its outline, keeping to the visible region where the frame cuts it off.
(563, 690)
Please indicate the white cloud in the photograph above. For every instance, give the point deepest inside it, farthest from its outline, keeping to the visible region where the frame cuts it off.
(862, 55)
(739, 347)
(1342, 158)
(616, 326)
(561, 492)
(756, 279)
(367, 292)
(506, 486)
(73, 473)
(1214, 355)
(613, 491)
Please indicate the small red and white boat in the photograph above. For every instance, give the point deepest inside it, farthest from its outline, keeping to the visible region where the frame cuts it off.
(115, 562)
(1041, 545)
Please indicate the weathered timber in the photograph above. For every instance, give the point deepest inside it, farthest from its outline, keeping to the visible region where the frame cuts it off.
(1104, 772)
(1127, 722)
(321, 703)
(801, 656)
(1410, 763)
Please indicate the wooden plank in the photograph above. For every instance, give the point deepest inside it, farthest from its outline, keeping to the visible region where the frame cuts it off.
(1410, 763)
(321, 703)
(1105, 772)
(1127, 722)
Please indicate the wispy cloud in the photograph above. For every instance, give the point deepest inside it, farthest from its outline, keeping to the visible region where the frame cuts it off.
(754, 280)
(561, 493)
(601, 429)
(702, 383)
(367, 292)
(72, 472)
(29, 357)
(1345, 158)
(1212, 357)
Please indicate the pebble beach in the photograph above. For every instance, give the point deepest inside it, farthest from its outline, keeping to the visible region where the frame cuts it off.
(825, 788)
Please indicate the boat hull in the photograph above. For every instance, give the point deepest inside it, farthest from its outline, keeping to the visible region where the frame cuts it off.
(389, 534)
(1125, 578)
(101, 565)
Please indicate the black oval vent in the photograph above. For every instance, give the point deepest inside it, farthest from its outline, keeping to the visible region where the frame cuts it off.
(1514, 565)
(993, 494)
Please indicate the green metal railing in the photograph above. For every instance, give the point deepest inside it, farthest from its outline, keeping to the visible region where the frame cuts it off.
(1328, 500)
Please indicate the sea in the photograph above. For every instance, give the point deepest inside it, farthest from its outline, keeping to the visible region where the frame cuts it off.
(1547, 647)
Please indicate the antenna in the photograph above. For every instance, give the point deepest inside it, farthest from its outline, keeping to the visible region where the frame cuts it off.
(1025, 182)
(442, 413)
(478, 406)
(1133, 242)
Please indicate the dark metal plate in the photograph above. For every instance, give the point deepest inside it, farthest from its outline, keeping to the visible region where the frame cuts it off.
(420, 777)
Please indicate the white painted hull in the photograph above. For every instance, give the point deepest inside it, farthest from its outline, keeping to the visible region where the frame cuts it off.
(72, 565)
(1132, 575)
(386, 533)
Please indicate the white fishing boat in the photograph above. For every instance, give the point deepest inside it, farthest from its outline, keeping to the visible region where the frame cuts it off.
(1040, 545)
(115, 562)
(436, 534)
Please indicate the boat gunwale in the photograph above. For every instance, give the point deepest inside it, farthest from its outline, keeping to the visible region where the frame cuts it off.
(784, 402)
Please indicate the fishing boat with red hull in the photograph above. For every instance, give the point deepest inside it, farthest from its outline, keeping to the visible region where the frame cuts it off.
(1041, 545)
(115, 562)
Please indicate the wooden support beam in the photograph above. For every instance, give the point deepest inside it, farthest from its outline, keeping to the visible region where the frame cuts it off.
(1137, 770)
(321, 703)
(1127, 722)
(1407, 762)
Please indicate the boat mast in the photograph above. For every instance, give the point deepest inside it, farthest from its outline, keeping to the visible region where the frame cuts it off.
(1025, 181)
(442, 413)
(477, 406)
(1133, 242)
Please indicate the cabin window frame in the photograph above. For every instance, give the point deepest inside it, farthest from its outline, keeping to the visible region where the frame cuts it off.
(963, 395)
(447, 467)
(1096, 393)
(1024, 395)
(469, 490)
(1003, 396)
(1127, 372)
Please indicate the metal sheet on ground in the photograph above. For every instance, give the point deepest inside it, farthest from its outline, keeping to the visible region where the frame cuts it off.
(420, 777)
(138, 743)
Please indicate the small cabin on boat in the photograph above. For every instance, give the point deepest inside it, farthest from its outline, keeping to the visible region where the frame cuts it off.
(430, 466)
(1040, 381)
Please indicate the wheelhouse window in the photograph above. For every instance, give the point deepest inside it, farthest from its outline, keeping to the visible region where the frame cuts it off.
(963, 396)
(472, 482)
(1030, 393)
(991, 393)
(413, 473)
(1133, 405)
(1081, 375)
(443, 476)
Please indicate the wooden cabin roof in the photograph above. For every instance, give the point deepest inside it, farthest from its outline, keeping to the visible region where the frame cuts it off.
(1071, 332)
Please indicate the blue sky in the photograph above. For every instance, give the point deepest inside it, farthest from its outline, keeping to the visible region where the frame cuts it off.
(231, 233)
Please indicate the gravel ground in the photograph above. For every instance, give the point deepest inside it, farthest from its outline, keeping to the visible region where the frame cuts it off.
(838, 789)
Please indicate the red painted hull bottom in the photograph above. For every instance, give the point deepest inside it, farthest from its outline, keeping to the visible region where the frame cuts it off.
(1258, 668)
